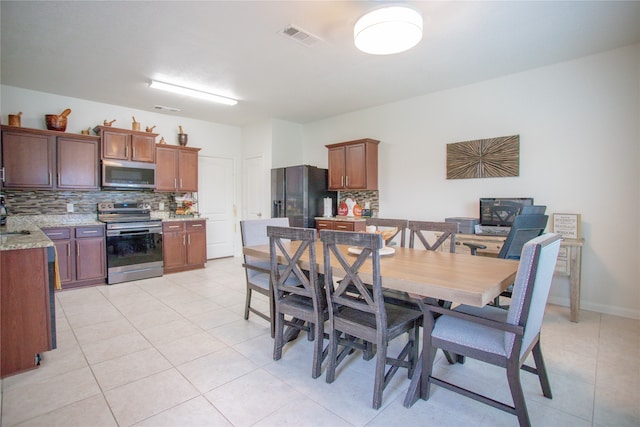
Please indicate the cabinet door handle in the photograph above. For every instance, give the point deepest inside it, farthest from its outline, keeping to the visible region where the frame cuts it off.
(189, 238)
(347, 181)
(184, 240)
(175, 182)
(50, 182)
(133, 152)
(180, 182)
(2, 173)
(89, 231)
(77, 250)
(54, 234)
(126, 150)
(196, 225)
(342, 181)
(341, 226)
(174, 226)
(68, 250)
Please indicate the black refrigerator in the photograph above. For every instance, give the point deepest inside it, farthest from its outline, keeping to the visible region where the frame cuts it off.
(298, 193)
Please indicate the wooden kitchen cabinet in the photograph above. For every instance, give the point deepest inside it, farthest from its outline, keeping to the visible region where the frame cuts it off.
(124, 144)
(176, 168)
(28, 159)
(184, 245)
(77, 163)
(340, 225)
(353, 165)
(25, 309)
(48, 160)
(81, 254)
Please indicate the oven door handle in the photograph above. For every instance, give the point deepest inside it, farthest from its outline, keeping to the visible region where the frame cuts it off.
(134, 232)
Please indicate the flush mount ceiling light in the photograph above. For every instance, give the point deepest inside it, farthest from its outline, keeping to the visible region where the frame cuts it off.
(388, 30)
(192, 92)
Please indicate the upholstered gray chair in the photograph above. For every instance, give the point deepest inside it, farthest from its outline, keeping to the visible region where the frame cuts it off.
(400, 224)
(257, 271)
(297, 294)
(362, 316)
(492, 335)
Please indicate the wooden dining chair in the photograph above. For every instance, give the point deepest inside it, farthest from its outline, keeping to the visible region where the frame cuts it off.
(364, 317)
(495, 336)
(297, 293)
(400, 224)
(258, 272)
(417, 230)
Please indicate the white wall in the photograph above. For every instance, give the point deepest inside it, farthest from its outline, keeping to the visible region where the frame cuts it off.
(288, 147)
(579, 153)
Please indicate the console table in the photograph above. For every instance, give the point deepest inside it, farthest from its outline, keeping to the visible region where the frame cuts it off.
(569, 261)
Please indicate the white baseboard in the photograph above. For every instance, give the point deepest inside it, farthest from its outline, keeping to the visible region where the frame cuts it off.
(598, 308)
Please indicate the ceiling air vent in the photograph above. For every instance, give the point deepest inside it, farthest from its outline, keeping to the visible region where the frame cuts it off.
(163, 107)
(298, 34)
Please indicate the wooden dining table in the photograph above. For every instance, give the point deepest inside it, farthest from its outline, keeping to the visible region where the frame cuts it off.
(459, 278)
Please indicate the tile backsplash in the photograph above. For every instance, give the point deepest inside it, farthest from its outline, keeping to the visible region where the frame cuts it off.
(43, 202)
(362, 197)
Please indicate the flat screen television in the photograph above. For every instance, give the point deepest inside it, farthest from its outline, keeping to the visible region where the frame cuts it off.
(501, 211)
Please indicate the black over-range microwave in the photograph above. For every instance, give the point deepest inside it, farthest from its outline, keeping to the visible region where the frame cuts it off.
(128, 175)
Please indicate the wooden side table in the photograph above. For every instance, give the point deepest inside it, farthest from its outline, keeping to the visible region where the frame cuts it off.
(569, 261)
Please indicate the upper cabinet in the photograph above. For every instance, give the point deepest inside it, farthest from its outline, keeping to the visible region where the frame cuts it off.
(176, 168)
(48, 160)
(123, 144)
(353, 165)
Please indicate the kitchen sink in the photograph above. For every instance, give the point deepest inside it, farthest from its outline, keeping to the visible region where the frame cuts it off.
(15, 233)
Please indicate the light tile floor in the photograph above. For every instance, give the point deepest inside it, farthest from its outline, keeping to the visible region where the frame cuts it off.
(176, 351)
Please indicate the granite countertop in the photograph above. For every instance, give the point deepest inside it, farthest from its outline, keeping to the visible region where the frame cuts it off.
(342, 218)
(27, 235)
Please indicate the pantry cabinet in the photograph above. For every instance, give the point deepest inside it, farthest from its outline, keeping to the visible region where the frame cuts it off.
(124, 144)
(48, 160)
(184, 245)
(353, 165)
(176, 168)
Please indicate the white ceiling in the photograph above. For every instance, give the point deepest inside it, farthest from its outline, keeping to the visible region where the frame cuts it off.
(108, 51)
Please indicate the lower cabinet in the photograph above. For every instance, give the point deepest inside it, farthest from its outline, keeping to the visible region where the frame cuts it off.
(340, 225)
(184, 245)
(25, 309)
(81, 254)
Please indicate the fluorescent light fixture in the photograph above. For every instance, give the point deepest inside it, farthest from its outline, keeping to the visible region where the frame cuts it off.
(192, 92)
(388, 30)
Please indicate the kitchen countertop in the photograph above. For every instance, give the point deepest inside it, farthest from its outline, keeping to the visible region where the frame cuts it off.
(34, 223)
(341, 218)
(33, 240)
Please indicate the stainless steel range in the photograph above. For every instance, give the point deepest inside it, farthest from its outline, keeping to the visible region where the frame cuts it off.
(134, 241)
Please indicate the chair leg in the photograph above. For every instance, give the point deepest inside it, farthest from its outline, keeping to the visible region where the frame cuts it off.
(272, 311)
(247, 304)
(414, 338)
(378, 387)
(542, 371)
(317, 350)
(513, 377)
(333, 355)
(278, 341)
(427, 370)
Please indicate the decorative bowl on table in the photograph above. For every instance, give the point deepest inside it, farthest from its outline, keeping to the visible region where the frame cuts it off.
(387, 233)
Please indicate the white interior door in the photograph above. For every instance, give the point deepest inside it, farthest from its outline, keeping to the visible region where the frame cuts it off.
(216, 203)
(258, 190)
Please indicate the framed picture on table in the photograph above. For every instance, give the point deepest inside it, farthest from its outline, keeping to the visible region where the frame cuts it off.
(567, 225)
